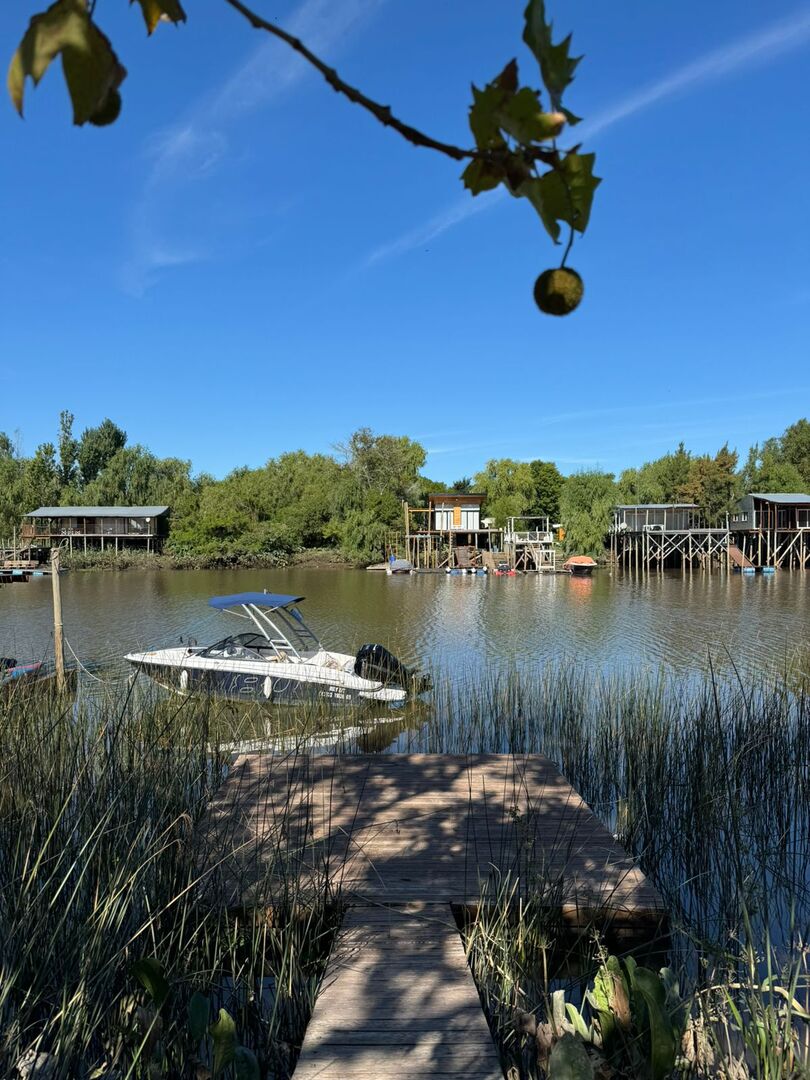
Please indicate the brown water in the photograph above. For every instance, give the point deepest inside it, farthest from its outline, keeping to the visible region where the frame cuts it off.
(459, 625)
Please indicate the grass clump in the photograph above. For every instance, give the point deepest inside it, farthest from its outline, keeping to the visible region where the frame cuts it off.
(707, 783)
(103, 877)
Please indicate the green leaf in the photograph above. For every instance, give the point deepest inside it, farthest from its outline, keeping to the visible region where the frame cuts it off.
(533, 190)
(245, 1064)
(483, 116)
(149, 974)
(575, 1016)
(569, 1060)
(199, 1011)
(572, 118)
(155, 10)
(556, 65)
(567, 192)
(482, 176)
(92, 70)
(663, 1037)
(610, 1000)
(223, 1032)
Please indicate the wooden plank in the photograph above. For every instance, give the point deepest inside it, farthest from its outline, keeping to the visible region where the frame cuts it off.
(384, 1010)
(431, 827)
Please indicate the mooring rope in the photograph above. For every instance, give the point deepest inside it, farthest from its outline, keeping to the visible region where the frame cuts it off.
(81, 665)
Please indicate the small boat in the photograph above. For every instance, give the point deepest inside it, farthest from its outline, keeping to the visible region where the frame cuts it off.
(10, 669)
(580, 565)
(279, 660)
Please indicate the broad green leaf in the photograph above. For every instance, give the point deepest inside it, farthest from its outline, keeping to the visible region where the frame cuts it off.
(569, 1060)
(223, 1033)
(155, 10)
(483, 116)
(556, 65)
(532, 190)
(149, 974)
(92, 70)
(199, 1011)
(482, 176)
(663, 1037)
(575, 1016)
(610, 1000)
(567, 192)
(245, 1064)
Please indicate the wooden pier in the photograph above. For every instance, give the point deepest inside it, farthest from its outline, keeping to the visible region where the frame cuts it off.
(406, 837)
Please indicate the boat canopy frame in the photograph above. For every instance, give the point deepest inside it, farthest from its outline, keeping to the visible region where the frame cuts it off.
(278, 620)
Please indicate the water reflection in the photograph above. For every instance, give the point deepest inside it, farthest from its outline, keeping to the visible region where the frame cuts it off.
(437, 621)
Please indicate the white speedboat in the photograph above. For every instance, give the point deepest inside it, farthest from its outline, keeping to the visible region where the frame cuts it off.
(279, 660)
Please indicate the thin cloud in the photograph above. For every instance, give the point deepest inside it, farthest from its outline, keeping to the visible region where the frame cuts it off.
(422, 236)
(199, 145)
(743, 53)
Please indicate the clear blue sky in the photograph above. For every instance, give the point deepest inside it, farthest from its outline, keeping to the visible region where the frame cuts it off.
(246, 264)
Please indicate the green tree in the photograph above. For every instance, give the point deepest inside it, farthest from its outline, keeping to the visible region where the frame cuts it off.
(713, 484)
(135, 477)
(586, 504)
(766, 470)
(40, 480)
(383, 463)
(516, 134)
(363, 530)
(68, 447)
(795, 448)
(660, 481)
(11, 495)
(548, 484)
(96, 447)
(509, 487)
(301, 491)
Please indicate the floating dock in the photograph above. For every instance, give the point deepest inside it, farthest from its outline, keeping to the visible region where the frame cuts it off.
(407, 838)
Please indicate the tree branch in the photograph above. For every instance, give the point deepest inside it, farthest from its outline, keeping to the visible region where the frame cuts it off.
(383, 113)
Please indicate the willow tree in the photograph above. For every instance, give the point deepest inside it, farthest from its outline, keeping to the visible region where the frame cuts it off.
(515, 127)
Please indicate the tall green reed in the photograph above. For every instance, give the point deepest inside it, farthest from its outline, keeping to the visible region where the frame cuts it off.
(101, 866)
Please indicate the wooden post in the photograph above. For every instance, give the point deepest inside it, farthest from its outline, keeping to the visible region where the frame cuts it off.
(58, 644)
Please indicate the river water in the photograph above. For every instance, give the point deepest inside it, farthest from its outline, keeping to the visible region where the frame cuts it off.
(457, 625)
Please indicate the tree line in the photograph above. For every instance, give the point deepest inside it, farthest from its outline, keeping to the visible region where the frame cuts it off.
(350, 502)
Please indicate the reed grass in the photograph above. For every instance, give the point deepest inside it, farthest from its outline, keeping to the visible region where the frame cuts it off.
(100, 868)
(705, 781)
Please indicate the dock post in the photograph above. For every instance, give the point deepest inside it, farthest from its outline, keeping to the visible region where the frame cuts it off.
(58, 643)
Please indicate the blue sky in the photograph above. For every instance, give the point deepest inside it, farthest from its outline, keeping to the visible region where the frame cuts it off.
(246, 263)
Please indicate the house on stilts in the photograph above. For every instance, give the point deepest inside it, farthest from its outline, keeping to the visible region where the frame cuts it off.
(764, 531)
(83, 528)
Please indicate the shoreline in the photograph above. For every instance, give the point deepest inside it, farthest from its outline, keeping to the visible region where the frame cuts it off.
(96, 561)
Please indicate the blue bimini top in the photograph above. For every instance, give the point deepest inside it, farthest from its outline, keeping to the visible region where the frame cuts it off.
(261, 599)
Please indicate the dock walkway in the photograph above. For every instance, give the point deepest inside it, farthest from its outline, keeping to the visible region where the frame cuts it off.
(406, 837)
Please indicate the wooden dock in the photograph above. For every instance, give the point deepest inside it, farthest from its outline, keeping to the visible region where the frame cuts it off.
(405, 837)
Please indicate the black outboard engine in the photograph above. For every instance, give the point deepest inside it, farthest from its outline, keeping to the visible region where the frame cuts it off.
(376, 663)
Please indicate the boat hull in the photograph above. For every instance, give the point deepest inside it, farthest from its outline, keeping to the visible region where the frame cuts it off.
(273, 688)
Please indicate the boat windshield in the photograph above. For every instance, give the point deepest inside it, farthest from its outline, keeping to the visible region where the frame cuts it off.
(241, 647)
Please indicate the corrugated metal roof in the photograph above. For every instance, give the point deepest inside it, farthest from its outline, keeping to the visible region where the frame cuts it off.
(787, 497)
(657, 506)
(454, 495)
(98, 511)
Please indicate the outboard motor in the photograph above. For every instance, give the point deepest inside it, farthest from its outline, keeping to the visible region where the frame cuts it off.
(376, 663)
